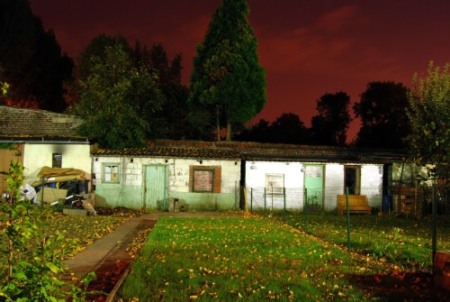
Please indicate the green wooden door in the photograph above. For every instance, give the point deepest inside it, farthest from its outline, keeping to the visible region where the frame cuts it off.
(314, 187)
(155, 186)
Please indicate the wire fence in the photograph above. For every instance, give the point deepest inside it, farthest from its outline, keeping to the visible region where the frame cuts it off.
(412, 201)
(412, 242)
(308, 199)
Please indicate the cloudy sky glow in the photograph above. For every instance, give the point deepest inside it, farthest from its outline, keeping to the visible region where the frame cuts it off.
(308, 48)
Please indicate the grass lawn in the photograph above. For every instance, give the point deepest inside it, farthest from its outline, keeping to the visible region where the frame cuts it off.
(74, 233)
(402, 241)
(247, 259)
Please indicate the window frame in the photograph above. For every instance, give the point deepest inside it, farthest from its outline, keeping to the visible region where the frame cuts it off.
(270, 189)
(212, 177)
(58, 162)
(104, 173)
(216, 178)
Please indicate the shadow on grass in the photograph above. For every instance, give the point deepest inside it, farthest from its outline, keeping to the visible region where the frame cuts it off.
(399, 286)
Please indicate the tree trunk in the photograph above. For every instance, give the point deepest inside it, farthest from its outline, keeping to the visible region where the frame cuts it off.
(218, 123)
(228, 131)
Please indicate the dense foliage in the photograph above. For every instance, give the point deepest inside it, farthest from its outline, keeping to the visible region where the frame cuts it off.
(171, 121)
(429, 116)
(120, 95)
(152, 97)
(33, 265)
(329, 126)
(382, 110)
(287, 129)
(227, 82)
(31, 61)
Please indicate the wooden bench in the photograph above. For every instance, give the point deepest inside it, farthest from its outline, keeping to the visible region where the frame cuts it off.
(356, 203)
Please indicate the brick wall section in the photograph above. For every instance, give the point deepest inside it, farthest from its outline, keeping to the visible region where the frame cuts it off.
(30, 122)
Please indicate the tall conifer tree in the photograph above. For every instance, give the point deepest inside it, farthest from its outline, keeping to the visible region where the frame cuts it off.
(227, 81)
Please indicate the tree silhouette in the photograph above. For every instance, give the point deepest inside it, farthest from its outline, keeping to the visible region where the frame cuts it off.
(30, 59)
(329, 126)
(171, 122)
(286, 129)
(259, 132)
(382, 110)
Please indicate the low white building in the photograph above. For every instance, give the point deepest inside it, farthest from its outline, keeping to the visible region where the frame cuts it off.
(195, 175)
(41, 138)
(237, 175)
(299, 177)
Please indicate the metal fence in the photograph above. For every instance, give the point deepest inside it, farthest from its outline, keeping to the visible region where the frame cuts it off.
(303, 199)
(414, 201)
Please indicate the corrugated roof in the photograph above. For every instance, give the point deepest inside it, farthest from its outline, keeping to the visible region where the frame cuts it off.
(33, 124)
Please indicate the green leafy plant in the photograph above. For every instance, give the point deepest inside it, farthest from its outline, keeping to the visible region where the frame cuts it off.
(34, 258)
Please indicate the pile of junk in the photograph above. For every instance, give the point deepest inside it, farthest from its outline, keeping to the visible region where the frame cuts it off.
(64, 187)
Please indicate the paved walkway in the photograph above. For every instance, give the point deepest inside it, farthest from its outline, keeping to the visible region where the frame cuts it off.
(92, 257)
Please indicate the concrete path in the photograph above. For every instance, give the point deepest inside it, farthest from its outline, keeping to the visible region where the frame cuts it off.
(91, 258)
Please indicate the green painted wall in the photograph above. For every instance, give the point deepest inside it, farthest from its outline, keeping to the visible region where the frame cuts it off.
(207, 201)
(115, 195)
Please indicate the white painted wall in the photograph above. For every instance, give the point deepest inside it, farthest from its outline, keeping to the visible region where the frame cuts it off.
(178, 170)
(179, 176)
(37, 156)
(372, 184)
(334, 184)
(255, 174)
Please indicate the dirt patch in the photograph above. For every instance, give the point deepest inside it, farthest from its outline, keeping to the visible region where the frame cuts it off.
(399, 286)
(114, 266)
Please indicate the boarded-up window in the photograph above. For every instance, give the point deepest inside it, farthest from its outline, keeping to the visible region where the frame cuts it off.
(205, 178)
(274, 183)
(110, 173)
(56, 160)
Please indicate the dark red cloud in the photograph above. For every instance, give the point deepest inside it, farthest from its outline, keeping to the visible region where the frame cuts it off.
(308, 48)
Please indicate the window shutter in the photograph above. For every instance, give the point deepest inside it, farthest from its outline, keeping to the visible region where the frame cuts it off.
(191, 178)
(217, 179)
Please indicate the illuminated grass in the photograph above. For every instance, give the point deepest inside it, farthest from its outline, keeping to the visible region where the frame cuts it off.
(230, 259)
(74, 233)
(405, 242)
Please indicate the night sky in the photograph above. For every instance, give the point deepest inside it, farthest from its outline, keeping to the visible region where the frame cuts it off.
(308, 48)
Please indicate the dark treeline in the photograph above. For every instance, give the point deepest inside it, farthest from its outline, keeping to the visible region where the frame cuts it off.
(150, 100)
(381, 110)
